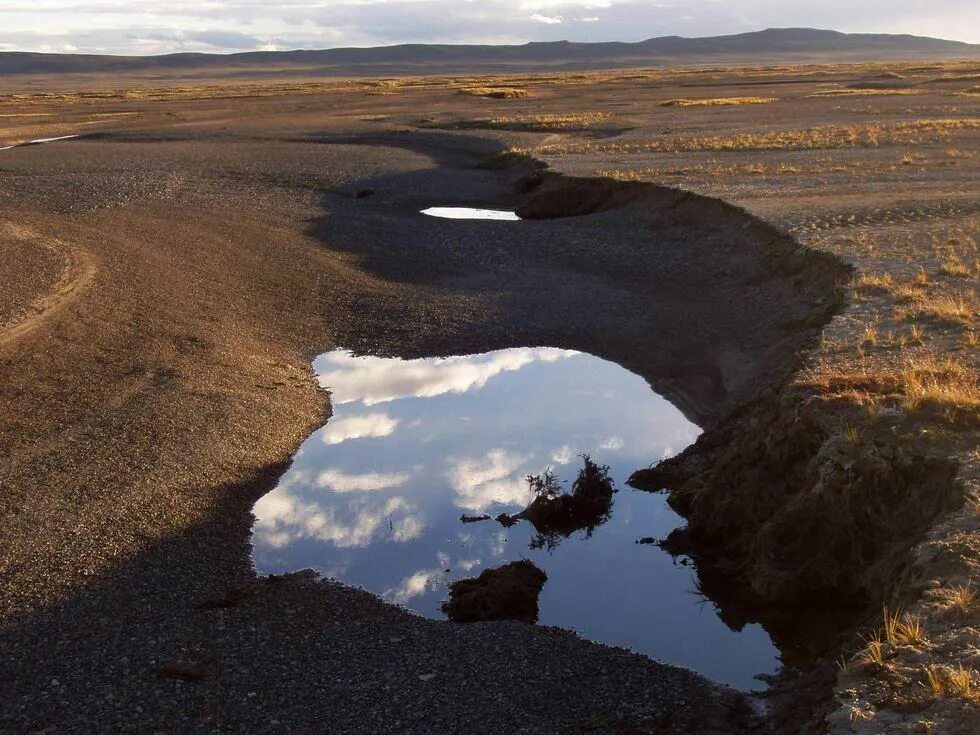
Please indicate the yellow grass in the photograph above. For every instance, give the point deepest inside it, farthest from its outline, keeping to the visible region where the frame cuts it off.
(960, 599)
(961, 681)
(946, 384)
(942, 310)
(868, 135)
(873, 651)
(860, 92)
(718, 101)
(954, 267)
(935, 680)
(873, 282)
(545, 122)
(495, 92)
(902, 629)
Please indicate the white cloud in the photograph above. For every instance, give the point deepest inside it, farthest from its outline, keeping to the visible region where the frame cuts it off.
(407, 529)
(341, 482)
(612, 443)
(415, 585)
(160, 26)
(497, 477)
(374, 380)
(563, 455)
(283, 518)
(370, 425)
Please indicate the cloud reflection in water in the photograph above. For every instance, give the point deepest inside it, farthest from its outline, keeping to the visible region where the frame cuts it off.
(376, 495)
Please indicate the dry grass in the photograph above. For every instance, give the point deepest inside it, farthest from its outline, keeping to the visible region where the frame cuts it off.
(946, 310)
(955, 267)
(943, 681)
(718, 102)
(543, 122)
(902, 629)
(714, 168)
(875, 283)
(960, 599)
(870, 336)
(907, 293)
(961, 681)
(948, 385)
(842, 92)
(868, 135)
(935, 680)
(873, 652)
(498, 93)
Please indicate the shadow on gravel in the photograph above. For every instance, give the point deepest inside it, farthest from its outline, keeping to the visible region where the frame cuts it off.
(184, 638)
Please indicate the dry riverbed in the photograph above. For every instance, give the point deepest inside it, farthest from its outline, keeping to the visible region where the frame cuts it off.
(187, 261)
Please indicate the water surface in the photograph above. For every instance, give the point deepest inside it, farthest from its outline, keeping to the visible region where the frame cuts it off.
(375, 497)
(470, 213)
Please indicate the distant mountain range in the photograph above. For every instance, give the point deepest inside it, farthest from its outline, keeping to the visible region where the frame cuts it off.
(772, 45)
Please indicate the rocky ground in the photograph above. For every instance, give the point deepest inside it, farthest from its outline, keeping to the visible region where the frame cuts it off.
(189, 259)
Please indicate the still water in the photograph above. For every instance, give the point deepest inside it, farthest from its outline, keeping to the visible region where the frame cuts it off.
(470, 213)
(375, 497)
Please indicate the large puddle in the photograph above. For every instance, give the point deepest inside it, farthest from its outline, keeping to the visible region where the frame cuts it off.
(375, 497)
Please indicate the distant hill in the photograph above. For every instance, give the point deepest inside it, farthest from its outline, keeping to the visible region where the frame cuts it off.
(772, 45)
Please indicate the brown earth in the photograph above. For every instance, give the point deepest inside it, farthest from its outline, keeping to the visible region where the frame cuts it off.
(178, 270)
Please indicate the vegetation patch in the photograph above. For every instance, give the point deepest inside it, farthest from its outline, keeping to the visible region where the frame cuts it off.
(498, 93)
(947, 310)
(863, 92)
(718, 102)
(869, 135)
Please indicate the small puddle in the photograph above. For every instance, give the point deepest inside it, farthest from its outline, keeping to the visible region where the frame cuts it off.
(470, 213)
(50, 140)
(375, 497)
(38, 141)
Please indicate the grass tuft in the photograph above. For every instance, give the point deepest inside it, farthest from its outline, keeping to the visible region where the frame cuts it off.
(961, 681)
(960, 599)
(873, 653)
(935, 681)
(945, 310)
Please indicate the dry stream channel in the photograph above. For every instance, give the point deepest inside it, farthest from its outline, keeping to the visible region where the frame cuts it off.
(399, 493)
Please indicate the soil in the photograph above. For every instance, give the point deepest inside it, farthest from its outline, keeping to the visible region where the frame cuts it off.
(509, 592)
(183, 262)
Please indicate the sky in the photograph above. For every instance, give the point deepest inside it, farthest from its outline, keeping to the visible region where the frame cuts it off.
(222, 26)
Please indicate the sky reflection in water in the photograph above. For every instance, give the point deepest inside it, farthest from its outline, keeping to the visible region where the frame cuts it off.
(375, 497)
(470, 213)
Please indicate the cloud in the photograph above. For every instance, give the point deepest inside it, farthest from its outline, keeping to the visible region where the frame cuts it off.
(282, 518)
(341, 482)
(374, 380)
(415, 585)
(563, 455)
(612, 443)
(372, 425)
(160, 26)
(496, 477)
